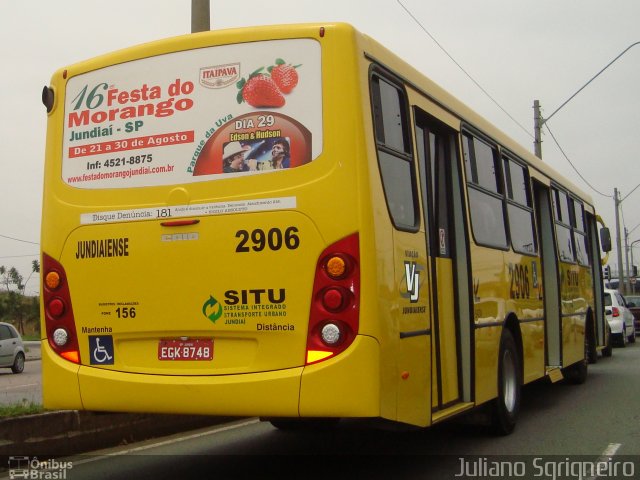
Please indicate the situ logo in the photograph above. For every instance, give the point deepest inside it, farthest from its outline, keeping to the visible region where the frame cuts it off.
(255, 296)
(412, 281)
(219, 76)
(212, 309)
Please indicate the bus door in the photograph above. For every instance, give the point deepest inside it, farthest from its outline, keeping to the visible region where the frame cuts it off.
(550, 276)
(435, 148)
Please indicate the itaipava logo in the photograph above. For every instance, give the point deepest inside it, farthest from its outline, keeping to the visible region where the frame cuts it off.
(219, 76)
(212, 309)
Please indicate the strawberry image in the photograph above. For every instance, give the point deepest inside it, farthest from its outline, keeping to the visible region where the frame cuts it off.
(259, 91)
(284, 75)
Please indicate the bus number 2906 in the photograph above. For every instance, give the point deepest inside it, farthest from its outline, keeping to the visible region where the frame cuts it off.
(257, 240)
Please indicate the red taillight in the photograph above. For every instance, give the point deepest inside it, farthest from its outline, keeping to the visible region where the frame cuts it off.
(615, 311)
(334, 299)
(333, 319)
(58, 314)
(56, 307)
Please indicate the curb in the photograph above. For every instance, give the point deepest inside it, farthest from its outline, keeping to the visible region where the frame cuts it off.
(69, 432)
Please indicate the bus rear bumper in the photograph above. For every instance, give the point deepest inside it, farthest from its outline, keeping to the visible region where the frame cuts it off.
(345, 386)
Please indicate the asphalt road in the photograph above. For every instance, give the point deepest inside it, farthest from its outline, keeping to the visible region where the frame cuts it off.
(561, 427)
(25, 387)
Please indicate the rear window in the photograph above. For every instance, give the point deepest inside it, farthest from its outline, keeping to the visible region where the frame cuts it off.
(195, 115)
(7, 332)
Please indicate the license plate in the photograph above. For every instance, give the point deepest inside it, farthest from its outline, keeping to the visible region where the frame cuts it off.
(197, 349)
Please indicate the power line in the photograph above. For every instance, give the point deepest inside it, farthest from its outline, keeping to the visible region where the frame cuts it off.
(19, 240)
(21, 256)
(573, 166)
(463, 70)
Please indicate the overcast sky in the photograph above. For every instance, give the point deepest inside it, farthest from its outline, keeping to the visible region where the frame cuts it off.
(517, 50)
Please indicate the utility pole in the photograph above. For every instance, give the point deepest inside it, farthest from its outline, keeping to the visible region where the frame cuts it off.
(627, 285)
(539, 121)
(617, 202)
(200, 16)
(537, 127)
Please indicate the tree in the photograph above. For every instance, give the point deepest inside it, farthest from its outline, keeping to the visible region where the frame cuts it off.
(11, 277)
(14, 304)
(35, 268)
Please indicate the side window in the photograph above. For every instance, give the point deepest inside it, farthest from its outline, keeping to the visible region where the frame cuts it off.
(563, 226)
(486, 198)
(519, 208)
(579, 233)
(5, 333)
(391, 123)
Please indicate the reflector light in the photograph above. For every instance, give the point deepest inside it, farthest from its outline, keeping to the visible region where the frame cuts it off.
(317, 355)
(52, 280)
(60, 337)
(72, 356)
(56, 307)
(331, 334)
(336, 267)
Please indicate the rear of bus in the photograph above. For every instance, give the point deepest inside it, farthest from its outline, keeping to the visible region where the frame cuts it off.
(204, 228)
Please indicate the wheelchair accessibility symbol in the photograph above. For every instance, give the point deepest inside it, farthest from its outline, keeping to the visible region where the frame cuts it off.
(101, 348)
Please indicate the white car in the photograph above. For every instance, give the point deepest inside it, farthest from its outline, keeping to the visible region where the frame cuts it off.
(619, 317)
(11, 348)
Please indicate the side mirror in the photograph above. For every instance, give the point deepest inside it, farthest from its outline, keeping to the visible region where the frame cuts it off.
(605, 239)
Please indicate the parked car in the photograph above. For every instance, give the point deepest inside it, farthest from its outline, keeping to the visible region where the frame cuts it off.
(11, 348)
(633, 302)
(619, 317)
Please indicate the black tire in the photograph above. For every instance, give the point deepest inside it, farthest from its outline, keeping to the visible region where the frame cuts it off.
(18, 363)
(607, 351)
(507, 406)
(632, 337)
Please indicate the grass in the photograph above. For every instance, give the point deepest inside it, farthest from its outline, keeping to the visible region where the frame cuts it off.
(20, 409)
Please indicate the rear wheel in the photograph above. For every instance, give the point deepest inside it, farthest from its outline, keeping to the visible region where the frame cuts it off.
(608, 349)
(507, 406)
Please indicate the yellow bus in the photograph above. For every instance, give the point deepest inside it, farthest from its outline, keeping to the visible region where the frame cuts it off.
(292, 223)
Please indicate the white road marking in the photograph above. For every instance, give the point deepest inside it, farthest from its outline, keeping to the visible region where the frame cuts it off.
(227, 427)
(22, 386)
(609, 452)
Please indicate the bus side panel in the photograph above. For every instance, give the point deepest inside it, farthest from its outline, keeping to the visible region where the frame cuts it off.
(525, 301)
(533, 350)
(574, 280)
(490, 294)
(412, 338)
(487, 343)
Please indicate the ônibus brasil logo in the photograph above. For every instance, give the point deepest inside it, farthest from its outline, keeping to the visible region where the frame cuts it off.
(212, 309)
